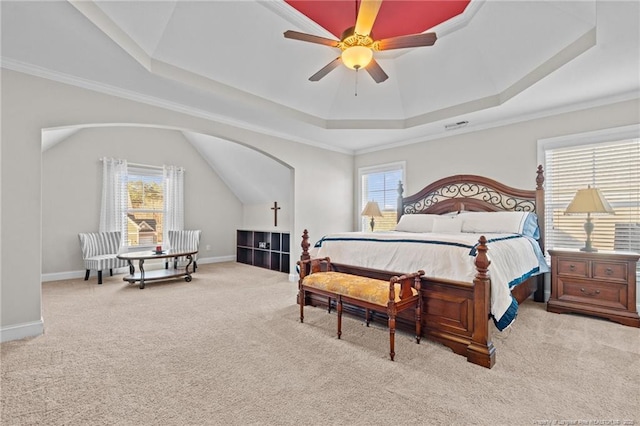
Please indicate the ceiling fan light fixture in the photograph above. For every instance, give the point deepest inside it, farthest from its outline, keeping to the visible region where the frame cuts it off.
(357, 57)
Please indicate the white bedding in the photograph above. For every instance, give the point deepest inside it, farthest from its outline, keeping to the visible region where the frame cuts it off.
(514, 258)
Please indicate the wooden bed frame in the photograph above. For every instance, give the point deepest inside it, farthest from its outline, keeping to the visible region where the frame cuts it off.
(456, 313)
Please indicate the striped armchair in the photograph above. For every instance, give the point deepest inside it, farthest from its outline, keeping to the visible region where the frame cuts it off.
(99, 251)
(184, 241)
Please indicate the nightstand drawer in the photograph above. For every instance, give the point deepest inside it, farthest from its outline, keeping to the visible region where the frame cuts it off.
(594, 293)
(600, 283)
(611, 271)
(573, 267)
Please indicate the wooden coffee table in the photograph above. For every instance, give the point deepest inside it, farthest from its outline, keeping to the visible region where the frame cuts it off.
(156, 275)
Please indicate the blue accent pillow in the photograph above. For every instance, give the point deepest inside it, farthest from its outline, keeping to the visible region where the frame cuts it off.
(530, 227)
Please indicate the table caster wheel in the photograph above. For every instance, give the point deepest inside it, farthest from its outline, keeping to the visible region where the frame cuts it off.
(188, 278)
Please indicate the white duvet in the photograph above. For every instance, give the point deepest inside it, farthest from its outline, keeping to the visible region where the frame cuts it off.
(514, 258)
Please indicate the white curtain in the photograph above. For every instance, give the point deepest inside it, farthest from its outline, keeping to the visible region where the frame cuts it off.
(173, 201)
(115, 197)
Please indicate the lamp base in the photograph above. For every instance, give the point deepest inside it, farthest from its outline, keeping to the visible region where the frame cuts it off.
(588, 228)
(589, 249)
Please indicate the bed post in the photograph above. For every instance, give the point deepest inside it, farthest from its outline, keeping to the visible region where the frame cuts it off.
(538, 296)
(540, 203)
(481, 350)
(400, 207)
(302, 264)
(305, 246)
(305, 256)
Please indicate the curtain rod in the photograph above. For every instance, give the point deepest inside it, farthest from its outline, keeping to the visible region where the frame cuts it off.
(145, 166)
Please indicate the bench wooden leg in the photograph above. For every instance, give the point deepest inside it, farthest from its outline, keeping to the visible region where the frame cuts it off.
(367, 316)
(329, 305)
(99, 277)
(339, 316)
(418, 323)
(392, 335)
(301, 301)
(86, 275)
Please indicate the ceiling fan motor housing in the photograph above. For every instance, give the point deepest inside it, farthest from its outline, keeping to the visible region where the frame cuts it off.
(350, 38)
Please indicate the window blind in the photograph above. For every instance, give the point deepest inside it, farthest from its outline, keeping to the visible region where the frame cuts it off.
(611, 166)
(145, 212)
(380, 184)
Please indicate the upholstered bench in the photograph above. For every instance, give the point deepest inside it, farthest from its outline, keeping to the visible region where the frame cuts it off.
(391, 297)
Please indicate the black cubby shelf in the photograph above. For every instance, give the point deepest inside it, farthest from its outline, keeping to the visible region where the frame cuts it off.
(265, 249)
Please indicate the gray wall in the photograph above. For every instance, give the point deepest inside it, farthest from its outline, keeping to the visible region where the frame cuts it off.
(30, 104)
(71, 204)
(507, 153)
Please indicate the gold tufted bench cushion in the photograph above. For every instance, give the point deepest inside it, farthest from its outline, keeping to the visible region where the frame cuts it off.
(361, 288)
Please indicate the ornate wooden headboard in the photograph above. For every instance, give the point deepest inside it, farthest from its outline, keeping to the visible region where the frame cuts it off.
(474, 193)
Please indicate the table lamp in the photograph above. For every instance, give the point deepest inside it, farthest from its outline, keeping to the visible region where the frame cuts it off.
(371, 209)
(588, 201)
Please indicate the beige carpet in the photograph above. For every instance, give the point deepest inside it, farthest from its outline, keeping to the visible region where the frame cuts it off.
(228, 348)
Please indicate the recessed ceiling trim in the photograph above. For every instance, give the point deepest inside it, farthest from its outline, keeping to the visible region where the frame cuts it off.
(303, 22)
(459, 21)
(182, 75)
(100, 19)
(579, 106)
(454, 111)
(566, 55)
(92, 12)
(295, 18)
(71, 80)
(96, 16)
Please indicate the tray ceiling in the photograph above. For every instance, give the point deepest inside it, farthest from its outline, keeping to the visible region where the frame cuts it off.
(229, 61)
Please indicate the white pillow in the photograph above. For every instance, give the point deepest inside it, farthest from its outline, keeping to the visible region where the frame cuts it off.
(498, 222)
(447, 224)
(416, 222)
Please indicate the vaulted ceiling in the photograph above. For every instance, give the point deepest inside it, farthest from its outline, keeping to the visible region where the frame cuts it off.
(494, 61)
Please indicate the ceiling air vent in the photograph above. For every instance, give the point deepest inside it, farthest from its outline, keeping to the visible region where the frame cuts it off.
(453, 126)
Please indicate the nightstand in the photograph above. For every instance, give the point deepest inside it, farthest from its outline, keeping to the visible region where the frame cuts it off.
(594, 283)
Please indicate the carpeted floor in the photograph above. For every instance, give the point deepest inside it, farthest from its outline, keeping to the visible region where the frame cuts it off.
(228, 349)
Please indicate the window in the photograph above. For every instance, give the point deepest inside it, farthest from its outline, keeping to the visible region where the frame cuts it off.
(380, 184)
(141, 202)
(145, 210)
(607, 160)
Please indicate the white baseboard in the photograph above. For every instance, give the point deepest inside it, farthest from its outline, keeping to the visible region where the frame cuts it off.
(69, 275)
(218, 259)
(20, 331)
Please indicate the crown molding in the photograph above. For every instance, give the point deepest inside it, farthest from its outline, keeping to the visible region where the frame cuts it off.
(71, 80)
(490, 124)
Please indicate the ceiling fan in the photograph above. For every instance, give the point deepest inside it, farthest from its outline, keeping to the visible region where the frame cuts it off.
(357, 43)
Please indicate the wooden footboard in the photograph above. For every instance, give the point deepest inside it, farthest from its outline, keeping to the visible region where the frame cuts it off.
(454, 313)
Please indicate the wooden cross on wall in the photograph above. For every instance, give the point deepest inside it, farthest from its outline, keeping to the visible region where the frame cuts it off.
(275, 209)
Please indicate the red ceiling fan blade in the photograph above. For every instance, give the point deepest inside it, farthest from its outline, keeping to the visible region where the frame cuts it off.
(376, 72)
(310, 38)
(367, 16)
(415, 40)
(326, 69)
